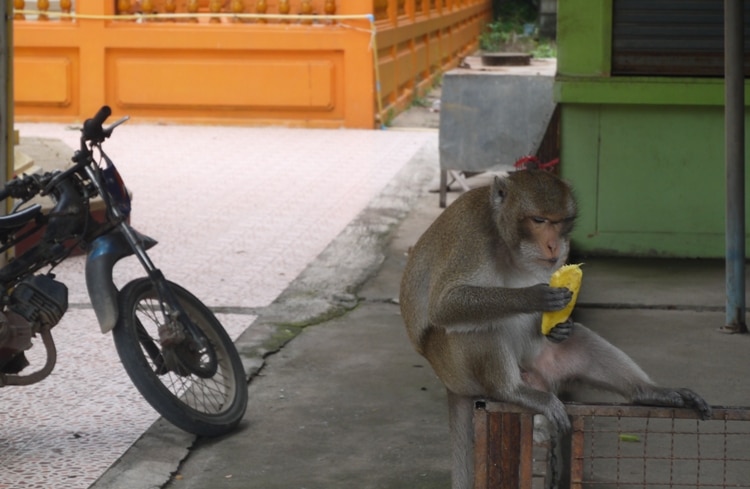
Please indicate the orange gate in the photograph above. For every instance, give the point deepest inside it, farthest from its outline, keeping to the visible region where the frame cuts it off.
(309, 63)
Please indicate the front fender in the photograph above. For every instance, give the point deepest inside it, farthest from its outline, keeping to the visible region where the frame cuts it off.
(102, 255)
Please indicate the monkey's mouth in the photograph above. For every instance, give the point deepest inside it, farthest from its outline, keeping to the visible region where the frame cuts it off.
(549, 262)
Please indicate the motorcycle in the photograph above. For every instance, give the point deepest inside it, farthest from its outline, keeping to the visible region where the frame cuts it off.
(173, 348)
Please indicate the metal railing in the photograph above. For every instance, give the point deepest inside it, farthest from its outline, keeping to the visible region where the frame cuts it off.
(310, 63)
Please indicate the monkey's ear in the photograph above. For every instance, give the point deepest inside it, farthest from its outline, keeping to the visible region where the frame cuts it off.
(499, 191)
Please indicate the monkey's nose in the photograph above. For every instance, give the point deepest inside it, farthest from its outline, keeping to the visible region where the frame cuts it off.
(553, 249)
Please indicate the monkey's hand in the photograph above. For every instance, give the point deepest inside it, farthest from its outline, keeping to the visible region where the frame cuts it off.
(548, 299)
(560, 332)
(662, 396)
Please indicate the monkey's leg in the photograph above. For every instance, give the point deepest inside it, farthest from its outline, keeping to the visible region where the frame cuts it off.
(589, 357)
(461, 415)
(528, 388)
(540, 402)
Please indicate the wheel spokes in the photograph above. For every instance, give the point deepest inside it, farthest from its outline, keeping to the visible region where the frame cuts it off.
(201, 393)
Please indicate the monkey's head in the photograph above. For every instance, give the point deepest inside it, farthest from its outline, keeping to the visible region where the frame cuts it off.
(534, 211)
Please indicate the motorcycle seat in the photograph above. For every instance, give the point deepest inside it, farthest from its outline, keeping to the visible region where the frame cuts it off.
(20, 218)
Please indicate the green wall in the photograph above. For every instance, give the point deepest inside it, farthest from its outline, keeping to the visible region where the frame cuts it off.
(645, 154)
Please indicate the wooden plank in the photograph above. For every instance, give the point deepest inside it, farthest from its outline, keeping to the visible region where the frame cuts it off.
(576, 454)
(631, 411)
(504, 462)
(526, 450)
(481, 448)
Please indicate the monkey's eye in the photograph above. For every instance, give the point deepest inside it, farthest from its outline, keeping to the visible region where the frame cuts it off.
(538, 220)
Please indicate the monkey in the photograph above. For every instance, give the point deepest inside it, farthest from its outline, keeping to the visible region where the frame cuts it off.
(471, 296)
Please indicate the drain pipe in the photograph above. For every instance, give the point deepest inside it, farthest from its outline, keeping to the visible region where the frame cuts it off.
(734, 144)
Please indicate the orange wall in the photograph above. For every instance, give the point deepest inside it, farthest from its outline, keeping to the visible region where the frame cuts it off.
(240, 72)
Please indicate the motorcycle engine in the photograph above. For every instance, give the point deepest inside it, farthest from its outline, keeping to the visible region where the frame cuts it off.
(38, 301)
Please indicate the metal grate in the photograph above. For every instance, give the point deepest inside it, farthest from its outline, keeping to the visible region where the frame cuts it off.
(615, 446)
(646, 447)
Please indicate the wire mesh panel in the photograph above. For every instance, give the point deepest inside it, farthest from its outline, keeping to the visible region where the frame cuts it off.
(645, 447)
(613, 446)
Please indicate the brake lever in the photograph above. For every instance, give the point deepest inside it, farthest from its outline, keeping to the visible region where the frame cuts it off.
(122, 120)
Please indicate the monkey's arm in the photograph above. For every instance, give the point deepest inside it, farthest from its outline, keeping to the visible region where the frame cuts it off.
(471, 303)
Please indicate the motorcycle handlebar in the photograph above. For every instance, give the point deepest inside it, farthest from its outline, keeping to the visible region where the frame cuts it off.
(102, 114)
(92, 128)
(28, 186)
(23, 187)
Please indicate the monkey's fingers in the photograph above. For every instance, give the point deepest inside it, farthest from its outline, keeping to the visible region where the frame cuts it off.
(557, 415)
(696, 402)
(557, 298)
(558, 306)
(561, 331)
(568, 277)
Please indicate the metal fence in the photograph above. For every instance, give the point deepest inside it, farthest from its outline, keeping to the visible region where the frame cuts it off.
(614, 446)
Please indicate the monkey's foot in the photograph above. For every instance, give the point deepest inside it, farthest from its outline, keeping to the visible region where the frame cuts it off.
(556, 414)
(674, 398)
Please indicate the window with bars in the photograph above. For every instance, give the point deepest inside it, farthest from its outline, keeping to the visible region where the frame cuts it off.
(671, 37)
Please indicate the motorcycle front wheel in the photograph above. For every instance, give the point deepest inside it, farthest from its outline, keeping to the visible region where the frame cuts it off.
(210, 404)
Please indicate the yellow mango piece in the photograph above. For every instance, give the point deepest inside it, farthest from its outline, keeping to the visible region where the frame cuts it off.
(568, 276)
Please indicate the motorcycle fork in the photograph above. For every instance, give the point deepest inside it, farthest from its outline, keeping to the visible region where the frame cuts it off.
(178, 321)
(170, 306)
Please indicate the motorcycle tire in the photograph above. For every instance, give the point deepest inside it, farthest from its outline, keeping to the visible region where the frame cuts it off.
(207, 405)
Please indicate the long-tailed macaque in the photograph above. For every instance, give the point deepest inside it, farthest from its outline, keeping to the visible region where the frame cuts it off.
(472, 295)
